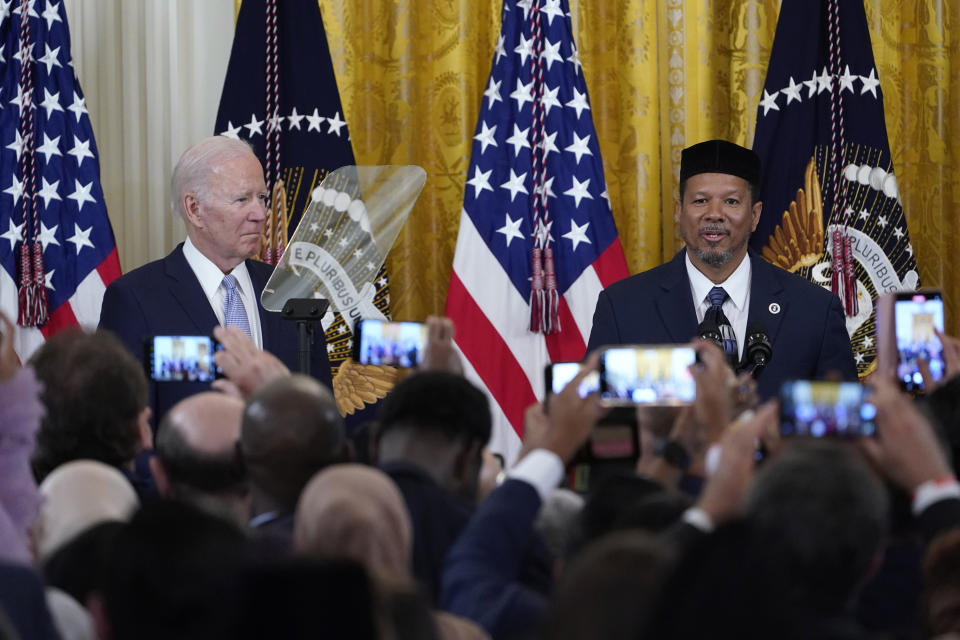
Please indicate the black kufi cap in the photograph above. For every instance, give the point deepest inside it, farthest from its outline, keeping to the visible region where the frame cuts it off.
(720, 156)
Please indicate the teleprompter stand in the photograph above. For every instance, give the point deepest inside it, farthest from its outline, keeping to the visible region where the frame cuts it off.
(306, 312)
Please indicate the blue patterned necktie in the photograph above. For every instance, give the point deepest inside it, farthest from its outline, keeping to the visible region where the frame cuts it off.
(234, 313)
(716, 297)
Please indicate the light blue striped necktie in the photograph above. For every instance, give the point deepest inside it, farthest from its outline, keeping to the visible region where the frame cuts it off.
(717, 296)
(234, 313)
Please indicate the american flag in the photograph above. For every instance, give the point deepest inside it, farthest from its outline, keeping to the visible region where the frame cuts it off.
(490, 288)
(79, 252)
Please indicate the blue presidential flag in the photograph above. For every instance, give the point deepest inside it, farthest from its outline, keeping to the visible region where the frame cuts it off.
(831, 200)
(280, 95)
(55, 238)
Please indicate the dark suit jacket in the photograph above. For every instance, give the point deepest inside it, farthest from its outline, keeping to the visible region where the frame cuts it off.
(165, 297)
(808, 333)
(437, 517)
(480, 577)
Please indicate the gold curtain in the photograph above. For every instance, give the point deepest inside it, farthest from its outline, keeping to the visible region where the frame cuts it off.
(661, 75)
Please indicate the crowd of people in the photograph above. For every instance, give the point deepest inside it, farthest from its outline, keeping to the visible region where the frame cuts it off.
(251, 512)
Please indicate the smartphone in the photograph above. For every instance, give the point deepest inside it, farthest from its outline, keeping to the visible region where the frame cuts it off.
(656, 375)
(916, 314)
(558, 375)
(397, 344)
(826, 409)
(181, 358)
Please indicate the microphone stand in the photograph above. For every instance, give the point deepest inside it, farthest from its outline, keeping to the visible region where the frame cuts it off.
(306, 312)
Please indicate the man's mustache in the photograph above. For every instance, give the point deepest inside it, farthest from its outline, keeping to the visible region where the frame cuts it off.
(713, 229)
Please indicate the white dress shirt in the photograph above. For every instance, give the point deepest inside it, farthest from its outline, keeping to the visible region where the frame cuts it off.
(211, 281)
(737, 305)
(542, 469)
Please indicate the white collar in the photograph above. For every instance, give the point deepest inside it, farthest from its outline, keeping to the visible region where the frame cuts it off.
(209, 274)
(737, 285)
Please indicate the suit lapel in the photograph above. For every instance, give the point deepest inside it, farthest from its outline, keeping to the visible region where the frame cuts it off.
(186, 290)
(675, 302)
(768, 305)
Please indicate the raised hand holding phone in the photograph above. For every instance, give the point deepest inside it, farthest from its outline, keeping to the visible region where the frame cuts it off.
(439, 353)
(906, 448)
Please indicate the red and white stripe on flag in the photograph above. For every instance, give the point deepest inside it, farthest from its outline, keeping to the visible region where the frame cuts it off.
(81, 309)
(501, 355)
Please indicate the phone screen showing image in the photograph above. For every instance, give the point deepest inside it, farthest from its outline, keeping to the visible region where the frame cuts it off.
(559, 375)
(654, 375)
(826, 409)
(397, 344)
(181, 358)
(916, 317)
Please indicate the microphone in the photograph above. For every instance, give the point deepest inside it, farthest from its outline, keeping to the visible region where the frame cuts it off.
(757, 351)
(708, 330)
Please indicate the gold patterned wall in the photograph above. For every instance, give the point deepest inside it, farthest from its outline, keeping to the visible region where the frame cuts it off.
(661, 75)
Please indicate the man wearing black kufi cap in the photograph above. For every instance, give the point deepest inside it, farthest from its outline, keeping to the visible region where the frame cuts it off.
(717, 280)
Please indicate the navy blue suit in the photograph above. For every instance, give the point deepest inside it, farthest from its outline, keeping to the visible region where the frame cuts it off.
(164, 297)
(808, 331)
(480, 577)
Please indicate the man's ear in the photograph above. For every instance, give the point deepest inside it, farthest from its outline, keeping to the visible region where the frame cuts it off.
(144, 430)
(677, 209)
(160, 476)
(755, 213)
(97, 609)
(467, 463)
(190, 206)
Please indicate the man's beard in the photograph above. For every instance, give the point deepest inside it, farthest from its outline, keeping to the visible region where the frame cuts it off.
(713, 257)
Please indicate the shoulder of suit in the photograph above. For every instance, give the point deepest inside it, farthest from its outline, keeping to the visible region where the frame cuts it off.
(795, 284)
(649, 278)
(152, 273)
(259, 267)
(143, 274)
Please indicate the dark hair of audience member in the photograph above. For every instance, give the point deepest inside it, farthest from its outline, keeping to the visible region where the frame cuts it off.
(188, 469)
(608, 589)
(173, 572)
(825, 516)
(363, 442)
(307, 598)
(613, 505)
(719, 589)
(440, 403)
(403, 613)
(941, 580)
(94, 392)
(291, 429)
(77, 567)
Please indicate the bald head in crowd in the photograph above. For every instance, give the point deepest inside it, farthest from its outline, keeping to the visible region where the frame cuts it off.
(291, 429)
(198, 457)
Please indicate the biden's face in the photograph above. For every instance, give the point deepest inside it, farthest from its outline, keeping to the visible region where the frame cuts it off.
(231, 211)
(716, 216)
